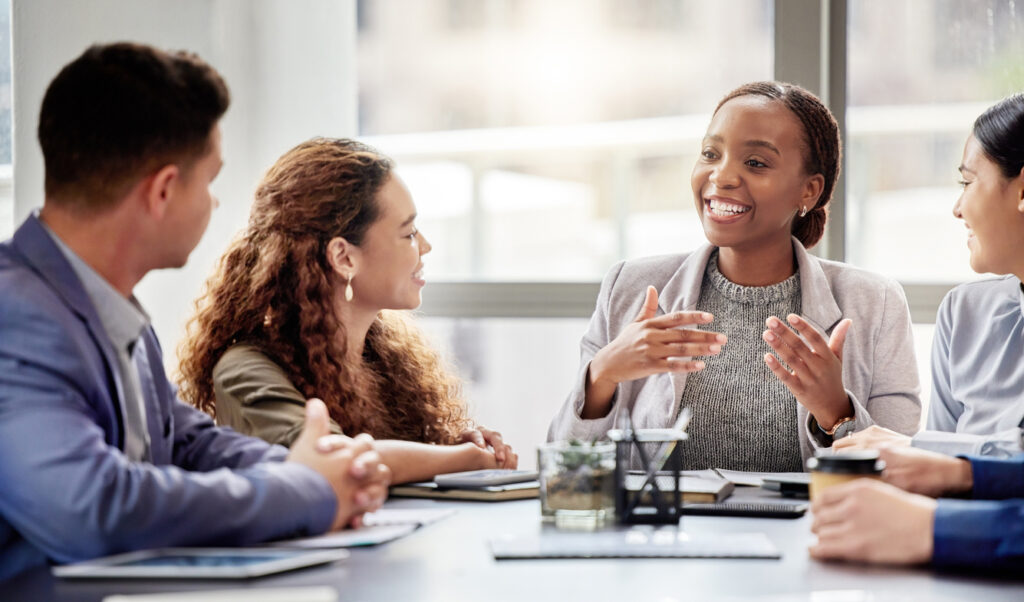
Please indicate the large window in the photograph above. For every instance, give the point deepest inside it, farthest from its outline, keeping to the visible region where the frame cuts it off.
(545, 140)
(920, 72)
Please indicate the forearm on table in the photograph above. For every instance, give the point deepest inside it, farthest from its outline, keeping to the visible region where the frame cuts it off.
(410, 461)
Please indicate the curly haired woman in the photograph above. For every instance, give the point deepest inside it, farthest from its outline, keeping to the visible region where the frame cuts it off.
(301, 306)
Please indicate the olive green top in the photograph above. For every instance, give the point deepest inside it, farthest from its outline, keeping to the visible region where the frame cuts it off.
(255, 397)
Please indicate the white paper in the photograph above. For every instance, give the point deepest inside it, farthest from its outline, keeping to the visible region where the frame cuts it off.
(397, 516)
(364, 536)
(756, 479)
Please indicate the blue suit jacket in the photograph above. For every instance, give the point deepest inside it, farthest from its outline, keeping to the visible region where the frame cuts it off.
(67, 492)
(984, 534)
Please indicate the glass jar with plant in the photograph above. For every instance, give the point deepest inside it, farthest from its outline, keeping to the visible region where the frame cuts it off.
(577, 481)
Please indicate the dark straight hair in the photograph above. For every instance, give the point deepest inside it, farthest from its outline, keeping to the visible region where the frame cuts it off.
(1000, 131)
(119, 111)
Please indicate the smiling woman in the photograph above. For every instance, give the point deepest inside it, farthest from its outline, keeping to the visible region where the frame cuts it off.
(977, 375)
(306, 303)
(762, 184)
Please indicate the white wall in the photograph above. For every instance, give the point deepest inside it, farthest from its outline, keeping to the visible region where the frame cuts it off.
(290, 65)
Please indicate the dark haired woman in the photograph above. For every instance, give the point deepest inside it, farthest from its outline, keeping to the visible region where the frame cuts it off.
(978, 373)
(767, 168)
(302, 306)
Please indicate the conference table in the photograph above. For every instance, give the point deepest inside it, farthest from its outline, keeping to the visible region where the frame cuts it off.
(452, 560)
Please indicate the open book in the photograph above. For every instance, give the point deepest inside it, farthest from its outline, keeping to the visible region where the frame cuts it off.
(701, 486)
(494, 493)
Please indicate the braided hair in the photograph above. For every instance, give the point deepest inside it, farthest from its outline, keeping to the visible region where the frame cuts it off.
(822, 147)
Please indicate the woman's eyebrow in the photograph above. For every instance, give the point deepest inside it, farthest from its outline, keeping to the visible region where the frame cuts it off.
(763, 144)
(755, 143)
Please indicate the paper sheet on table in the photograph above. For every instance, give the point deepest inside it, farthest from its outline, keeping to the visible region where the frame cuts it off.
(417, 516)
(382, 526)
(756, 479)
(350, 538)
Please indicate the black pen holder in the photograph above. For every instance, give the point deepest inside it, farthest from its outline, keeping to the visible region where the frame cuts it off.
(648, 491)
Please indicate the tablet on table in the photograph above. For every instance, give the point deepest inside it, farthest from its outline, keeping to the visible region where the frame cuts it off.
(198, 563)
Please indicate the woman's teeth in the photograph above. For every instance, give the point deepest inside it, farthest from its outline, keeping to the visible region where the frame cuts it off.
(722, 208)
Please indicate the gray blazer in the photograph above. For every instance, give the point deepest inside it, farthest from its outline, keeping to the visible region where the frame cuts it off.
(879, 369)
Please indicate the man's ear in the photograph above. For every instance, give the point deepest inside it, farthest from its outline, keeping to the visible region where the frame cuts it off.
(343, 257)
(159, 188)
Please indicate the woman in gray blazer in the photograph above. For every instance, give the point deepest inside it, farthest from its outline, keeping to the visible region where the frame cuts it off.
(764, 178)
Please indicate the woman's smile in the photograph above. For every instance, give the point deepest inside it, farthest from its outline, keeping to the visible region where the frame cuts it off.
(724, 210)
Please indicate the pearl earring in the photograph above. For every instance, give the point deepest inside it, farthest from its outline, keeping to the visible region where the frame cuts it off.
(348, 289)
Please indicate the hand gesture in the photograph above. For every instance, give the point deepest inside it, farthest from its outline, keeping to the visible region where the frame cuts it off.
(484, 438)
(351, 466)
(649, 345)
(815, 375)
(873, 437)
(927, 473)
(869, 521)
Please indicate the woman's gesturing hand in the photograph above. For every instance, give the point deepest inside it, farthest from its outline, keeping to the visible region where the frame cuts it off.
(649, 345)
(815, 374)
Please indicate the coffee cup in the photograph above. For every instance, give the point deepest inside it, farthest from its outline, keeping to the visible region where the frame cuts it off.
(836, 469)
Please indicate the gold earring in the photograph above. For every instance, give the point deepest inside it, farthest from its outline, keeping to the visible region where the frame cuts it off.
(348, 289)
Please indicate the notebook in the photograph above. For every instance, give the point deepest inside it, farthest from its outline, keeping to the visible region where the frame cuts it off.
(666, 542)
(495, 493)
(704, 486)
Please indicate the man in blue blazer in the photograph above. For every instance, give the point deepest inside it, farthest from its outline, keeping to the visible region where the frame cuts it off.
(899, 522)
(97, 453)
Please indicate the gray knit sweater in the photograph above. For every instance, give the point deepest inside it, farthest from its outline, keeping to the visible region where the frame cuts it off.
(743, 417)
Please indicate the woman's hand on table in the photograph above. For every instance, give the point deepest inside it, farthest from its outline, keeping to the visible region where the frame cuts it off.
(873, 437)
(485, 438)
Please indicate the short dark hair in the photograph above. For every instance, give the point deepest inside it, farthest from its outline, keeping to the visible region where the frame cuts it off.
(823, 152)
(120, 110)
(1000, 131)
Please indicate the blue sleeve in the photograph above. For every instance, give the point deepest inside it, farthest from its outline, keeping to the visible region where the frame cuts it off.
(73, 496)
(944, 411)
(200, 445)
(979, 534)
(997, 478)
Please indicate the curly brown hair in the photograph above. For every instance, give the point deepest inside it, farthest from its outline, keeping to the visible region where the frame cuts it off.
(273, 290)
